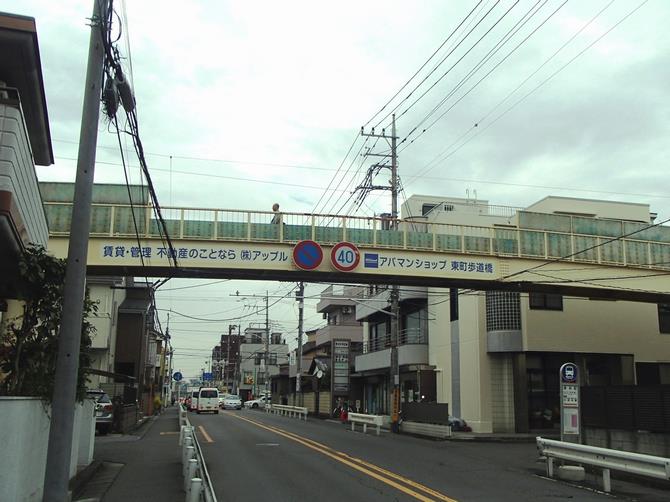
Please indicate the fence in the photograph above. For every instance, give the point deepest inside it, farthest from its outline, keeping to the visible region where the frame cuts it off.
(405, 337)
(428, 413)
(627, 407)
(197, 484)
(543, 236)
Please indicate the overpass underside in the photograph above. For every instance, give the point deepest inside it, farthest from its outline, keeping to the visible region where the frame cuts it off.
(245, 245)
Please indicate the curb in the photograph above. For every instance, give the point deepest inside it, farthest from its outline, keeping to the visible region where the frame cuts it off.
(84, 476)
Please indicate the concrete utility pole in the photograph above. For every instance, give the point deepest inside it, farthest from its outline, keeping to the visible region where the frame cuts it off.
(226, 373)
(395, 291)
(57, 474)
(267, 342)
(300, 297)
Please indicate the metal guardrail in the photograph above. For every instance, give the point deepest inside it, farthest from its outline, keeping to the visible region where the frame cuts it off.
(197, 483)
(360, 418)
(285, 410)
(605, 458)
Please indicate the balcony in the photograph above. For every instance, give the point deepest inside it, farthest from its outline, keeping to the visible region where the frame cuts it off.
(332, 332)
(335, 297)
(372, 303)
(412, 349)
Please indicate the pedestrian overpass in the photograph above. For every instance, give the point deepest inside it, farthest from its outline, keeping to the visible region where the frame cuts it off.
(570, 255)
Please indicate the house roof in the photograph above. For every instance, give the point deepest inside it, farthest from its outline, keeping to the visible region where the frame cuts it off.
(21, 68)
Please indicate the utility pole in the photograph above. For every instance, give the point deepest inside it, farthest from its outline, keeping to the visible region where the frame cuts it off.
(267, 342)
(226, 373)
(57, 473)
(395, 292)
(300, 297)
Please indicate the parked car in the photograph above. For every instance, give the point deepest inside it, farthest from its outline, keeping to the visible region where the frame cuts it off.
(104, 410)
(257, 403)
(208, 400)
(193, 401)
(231, 402)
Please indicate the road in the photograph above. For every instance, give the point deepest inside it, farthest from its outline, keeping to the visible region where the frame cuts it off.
(255, 456)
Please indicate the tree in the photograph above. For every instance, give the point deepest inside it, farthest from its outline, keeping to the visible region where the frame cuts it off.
(30, 341)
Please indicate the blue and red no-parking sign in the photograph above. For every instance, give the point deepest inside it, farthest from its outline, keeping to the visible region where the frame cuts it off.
(307, 255)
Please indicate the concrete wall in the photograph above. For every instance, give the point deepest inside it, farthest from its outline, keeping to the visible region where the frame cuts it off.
(502, 392)
(24, 437)
(584, 325)
(440, 338)
(597, 208)
(649, 443)
(373, 360)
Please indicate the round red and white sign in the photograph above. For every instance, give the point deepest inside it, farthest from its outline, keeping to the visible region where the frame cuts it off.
(345, 256)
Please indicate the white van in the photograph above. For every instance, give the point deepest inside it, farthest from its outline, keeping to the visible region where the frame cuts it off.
(208, 400)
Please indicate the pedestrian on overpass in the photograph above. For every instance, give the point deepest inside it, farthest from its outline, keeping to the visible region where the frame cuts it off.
(276, 218)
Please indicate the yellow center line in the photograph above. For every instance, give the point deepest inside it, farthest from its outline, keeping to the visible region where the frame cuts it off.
(204, 433)
(354, 463)
(405, 480)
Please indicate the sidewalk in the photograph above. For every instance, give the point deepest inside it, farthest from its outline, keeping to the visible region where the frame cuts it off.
(143, 466)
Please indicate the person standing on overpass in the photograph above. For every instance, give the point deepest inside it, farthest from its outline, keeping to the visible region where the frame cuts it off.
(276, 218)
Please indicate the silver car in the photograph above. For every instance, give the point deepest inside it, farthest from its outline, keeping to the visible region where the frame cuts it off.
(104, 410)
(232, 402)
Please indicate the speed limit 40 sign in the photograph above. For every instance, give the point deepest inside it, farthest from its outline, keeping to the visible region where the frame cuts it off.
(345, 256)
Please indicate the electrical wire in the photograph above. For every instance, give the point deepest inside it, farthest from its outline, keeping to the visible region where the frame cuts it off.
(506, 38)
(449, 53)
(444, 155)
(424, 64)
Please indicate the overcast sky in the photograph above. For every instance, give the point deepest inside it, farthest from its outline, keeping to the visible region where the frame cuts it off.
(242, 104)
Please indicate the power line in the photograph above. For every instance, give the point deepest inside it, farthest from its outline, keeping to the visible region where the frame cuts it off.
(437, 66)
(503, 41)
(459, 60)
(532, 91)
(423, 65)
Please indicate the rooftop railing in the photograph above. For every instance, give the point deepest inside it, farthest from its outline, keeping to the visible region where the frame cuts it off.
(646, 246)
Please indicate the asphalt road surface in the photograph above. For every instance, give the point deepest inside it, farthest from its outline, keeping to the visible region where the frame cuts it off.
(255, 456)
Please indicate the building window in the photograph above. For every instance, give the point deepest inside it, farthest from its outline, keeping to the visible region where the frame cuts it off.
(272, 359)
(453, 304)
(415, 327)
(503, 311)
(258, 357)
(427, 208)
(545, 301)
(664, 317)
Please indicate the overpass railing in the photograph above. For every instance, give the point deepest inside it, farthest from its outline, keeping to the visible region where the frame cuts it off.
(643, 246)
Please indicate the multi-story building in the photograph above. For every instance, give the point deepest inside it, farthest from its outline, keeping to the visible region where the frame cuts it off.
(139, 344)
(109, 293)
(25, 141)
(226, 359)
(254, 372)
(494, 356)
(333, 347)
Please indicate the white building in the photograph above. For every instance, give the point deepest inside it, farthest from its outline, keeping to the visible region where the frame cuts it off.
(494, 356)
(255, 371)
(108, 292)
